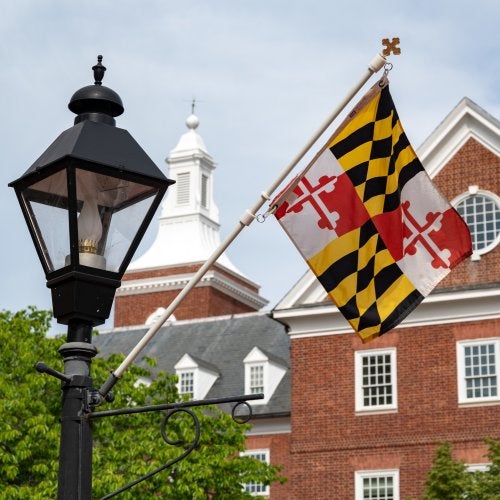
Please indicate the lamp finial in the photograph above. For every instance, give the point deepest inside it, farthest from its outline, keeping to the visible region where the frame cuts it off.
(99, 70)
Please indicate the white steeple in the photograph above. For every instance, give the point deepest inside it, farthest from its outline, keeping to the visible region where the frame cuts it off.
(189, 222)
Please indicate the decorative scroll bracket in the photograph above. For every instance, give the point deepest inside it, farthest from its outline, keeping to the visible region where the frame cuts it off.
(172, 409)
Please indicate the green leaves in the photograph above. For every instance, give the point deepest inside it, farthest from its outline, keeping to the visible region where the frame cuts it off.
(450, 480)
(125, 447)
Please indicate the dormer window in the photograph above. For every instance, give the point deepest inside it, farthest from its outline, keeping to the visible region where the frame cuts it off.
(263, 374)
(196, 376)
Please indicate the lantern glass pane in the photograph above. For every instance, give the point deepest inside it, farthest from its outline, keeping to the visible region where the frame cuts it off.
(47, 205)
(110, 213)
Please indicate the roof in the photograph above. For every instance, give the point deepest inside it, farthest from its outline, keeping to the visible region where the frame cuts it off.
(221, 342)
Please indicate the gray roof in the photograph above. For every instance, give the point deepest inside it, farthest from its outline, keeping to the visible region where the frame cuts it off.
(219, 342)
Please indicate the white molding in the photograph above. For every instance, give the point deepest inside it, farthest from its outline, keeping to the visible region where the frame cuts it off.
(467, 120)
(270, 426)
(438, 308)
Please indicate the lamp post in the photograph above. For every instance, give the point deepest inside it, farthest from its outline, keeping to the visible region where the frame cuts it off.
(87, 201)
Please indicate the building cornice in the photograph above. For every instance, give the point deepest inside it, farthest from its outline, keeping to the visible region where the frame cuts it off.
(441, 308)
(212, 278)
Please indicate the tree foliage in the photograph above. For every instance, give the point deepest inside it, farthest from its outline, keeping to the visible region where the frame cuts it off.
(450, 480)
(125, 447)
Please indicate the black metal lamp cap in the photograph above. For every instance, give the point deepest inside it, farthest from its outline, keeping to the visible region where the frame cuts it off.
(96, 102)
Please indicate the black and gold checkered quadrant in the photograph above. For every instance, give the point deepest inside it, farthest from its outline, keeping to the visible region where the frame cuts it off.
(366, 283)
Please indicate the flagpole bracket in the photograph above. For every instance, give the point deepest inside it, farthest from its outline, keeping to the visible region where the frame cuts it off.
(377, 63)
(247, 218)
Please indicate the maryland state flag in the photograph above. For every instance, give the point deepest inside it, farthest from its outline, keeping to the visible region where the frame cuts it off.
(369, 222)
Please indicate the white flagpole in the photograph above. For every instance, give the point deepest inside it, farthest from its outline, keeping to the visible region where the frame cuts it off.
(375, 65)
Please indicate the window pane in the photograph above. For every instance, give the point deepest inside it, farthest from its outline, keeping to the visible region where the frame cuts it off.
(482, 214)
(481, 377)
(256, 379)
(377, 380)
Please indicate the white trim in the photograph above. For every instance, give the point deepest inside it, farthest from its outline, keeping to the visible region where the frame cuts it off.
(481, 467)
(270, 426)
(360, 408)
(463, 400)
(438, 308)
(365, 474)
(467, 120)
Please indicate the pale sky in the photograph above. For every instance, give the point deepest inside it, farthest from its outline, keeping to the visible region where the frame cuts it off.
(266, 74)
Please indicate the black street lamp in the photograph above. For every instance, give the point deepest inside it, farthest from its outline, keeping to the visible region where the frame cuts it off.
(87, 201)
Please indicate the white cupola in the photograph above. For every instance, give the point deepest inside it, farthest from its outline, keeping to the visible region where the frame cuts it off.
(189, 222)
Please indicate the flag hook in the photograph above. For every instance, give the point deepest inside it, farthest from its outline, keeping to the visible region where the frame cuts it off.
(261, 218)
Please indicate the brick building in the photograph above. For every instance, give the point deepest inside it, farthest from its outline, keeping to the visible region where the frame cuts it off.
(380, 410)
(347, 420)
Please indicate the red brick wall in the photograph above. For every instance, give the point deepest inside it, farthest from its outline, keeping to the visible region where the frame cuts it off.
(329, 442)
(473, 165)
(279, 453)
(201, 302)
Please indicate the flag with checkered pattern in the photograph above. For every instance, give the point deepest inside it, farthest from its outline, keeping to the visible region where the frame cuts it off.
(369, 222)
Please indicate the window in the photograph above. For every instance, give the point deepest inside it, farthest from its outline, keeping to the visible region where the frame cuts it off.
(478, 368)
(186, 384)
(377, 485)
(253, 487)
(196, 376)
(485, 467)
(204, 190)
(183, 188)
(375, 373)
(481, 212)
(256, 379)
(263, 374)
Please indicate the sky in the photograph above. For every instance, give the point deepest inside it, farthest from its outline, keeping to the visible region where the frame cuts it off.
(265, 74)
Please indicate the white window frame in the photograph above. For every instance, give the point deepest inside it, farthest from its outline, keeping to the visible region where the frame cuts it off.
(182, 392)
(267, 459)
(259, 377)
(358, 375)
(462, 386)
(360, 475)
(475, 191)
(482, 467)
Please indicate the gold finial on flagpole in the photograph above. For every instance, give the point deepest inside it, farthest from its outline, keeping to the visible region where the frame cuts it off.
(391, 46)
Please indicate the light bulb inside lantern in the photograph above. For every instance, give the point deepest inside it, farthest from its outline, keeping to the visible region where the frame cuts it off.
(89, 227)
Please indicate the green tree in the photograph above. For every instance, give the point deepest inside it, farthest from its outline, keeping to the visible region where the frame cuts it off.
(125, 447)
(450, 480)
